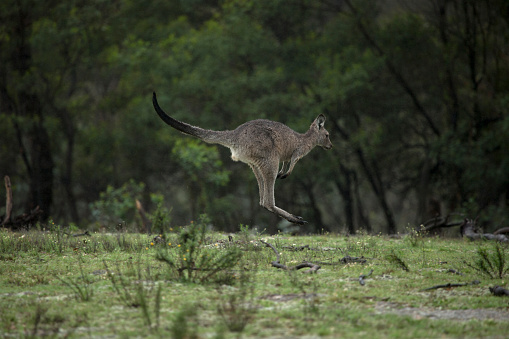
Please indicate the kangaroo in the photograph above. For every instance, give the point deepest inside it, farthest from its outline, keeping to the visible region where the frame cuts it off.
(262, 144)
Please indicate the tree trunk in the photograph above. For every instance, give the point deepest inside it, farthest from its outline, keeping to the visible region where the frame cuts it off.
(373, 176)
(393, 69)
(451, 99)
(317, 215)
(345, 189)
(40, 166)
(362, 220)
(41, 180)
(67, 179)
(8, 200)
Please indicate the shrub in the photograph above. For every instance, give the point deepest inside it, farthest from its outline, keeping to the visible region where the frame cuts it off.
(194, 262)
(116, 205)
(491, 262)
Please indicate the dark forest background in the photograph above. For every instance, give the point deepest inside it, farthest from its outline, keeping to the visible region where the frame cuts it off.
(416, 94)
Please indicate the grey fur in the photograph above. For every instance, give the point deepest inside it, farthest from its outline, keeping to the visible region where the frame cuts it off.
(262, 144)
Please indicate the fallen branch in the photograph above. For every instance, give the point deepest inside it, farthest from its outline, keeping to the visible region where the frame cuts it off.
(436, 287)
(345, 260)
(437, 222)
(364, 276)
(313, 268)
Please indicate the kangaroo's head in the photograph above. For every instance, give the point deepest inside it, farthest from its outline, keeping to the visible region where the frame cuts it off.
(322, 135)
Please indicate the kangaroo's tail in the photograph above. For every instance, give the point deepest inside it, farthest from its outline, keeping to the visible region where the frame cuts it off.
(179, 125)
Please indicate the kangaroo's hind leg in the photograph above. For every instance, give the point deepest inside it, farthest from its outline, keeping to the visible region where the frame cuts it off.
(259, 179)
(269, 174)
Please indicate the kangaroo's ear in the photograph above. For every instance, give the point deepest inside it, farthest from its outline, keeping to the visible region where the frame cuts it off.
(320, 121)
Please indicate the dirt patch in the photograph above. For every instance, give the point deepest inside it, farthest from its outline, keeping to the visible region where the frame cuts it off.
(383, 307)
(19, 294)
(288, 297)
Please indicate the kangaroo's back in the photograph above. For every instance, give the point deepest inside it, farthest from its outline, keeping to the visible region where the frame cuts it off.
(261, 139)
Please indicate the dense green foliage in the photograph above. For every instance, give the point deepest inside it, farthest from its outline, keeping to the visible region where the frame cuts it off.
(415, 94)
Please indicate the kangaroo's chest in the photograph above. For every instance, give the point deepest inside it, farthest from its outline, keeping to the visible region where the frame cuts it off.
(247, 157)
(235, 155)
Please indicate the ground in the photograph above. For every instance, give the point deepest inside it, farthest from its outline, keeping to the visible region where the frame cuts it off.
(117, 285)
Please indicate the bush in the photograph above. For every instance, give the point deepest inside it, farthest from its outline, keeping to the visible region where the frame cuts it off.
(492, 262)
(194, 262)
(116, 205)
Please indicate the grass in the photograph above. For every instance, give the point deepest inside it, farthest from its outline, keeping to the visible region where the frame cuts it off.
(492, 262)
(117, 285)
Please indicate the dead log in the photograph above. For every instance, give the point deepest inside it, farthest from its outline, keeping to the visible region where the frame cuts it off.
(20, 221)
(24, 220)
(467, 229)
(313, 268)
(499, 291)
(503, 230)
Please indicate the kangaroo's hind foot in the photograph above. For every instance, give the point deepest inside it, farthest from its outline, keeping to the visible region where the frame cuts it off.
(298, 220)
(288, 216)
